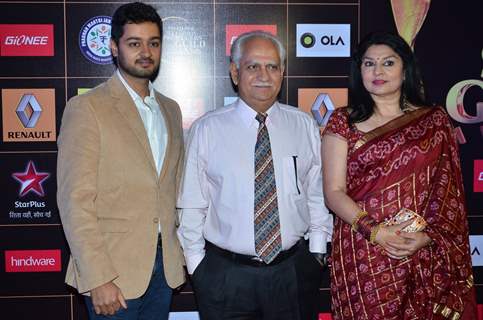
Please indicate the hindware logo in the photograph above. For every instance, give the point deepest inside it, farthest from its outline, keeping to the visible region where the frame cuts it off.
(233, 31)
(26, 40)
(28, 115)
(33, 261)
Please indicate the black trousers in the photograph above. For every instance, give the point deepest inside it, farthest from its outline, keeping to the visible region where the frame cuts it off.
(227, 290)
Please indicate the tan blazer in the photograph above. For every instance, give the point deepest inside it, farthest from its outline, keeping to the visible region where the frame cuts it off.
(109, 195)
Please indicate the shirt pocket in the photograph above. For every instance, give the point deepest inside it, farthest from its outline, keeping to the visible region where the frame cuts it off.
(291, 181)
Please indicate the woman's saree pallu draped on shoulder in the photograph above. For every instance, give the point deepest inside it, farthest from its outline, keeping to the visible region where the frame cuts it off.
(411, 162)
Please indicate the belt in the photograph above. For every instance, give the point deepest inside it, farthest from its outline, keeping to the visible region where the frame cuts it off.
(253, 261)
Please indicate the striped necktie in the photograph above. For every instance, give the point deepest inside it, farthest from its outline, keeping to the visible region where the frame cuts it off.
(268, 241)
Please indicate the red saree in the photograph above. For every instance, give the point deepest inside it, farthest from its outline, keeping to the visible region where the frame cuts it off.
(410, 162)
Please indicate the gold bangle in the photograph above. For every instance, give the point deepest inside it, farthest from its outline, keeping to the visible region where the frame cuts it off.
(374, 231)
(356, 219)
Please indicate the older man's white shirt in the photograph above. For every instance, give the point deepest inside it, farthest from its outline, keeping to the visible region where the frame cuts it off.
(217, 193)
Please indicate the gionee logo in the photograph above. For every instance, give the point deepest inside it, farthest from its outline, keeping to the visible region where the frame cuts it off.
(32, 261)
(26, 40)
(28, 120)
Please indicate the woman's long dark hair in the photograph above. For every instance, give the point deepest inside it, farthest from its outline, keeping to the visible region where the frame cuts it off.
(360, 101)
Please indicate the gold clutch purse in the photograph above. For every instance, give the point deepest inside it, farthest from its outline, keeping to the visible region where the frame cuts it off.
(404, 215)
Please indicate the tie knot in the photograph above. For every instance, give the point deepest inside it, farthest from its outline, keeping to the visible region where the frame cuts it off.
(261, 117)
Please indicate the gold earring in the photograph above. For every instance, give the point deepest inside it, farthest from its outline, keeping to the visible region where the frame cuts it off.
(405, 103)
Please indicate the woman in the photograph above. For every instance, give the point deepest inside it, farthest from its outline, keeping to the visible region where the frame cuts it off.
(400, 154)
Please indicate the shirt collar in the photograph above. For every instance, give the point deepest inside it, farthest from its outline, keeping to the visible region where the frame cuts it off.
(247, 114)
(135, 97)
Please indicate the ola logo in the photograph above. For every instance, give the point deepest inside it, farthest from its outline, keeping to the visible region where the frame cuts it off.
(307, 40)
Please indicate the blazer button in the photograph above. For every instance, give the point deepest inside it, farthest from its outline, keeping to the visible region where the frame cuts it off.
(155, 220)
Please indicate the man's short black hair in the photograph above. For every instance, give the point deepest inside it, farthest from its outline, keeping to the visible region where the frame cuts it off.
(135, 12)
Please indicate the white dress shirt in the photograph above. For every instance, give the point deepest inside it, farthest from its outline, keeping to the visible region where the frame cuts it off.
(217, 192)
(153, 121)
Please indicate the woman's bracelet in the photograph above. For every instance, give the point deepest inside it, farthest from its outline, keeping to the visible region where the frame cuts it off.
(374, 231)
(356, 219)
(367, 226)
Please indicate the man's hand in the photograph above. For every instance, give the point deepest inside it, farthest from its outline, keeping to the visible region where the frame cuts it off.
(322, 258)
(107, 299)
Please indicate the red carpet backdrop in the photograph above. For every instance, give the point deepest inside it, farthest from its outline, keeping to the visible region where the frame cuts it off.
(51, 51)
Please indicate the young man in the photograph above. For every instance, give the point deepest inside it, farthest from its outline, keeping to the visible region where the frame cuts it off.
(251, 195)
(119, 163)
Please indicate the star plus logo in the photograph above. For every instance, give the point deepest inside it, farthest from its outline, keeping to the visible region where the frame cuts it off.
(31, 180)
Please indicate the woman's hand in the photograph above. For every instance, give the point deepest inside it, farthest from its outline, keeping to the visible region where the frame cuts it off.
(413, 241)
(389, 238)
(398, 244)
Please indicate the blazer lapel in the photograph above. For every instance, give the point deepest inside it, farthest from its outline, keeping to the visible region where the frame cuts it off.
(169, 129)
(128, 110)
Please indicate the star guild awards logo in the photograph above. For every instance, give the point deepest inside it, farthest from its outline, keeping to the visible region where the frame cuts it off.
(94, 40)
(31, 180)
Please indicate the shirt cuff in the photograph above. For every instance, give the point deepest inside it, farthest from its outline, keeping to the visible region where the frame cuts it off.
(318, 242)
(193, 261)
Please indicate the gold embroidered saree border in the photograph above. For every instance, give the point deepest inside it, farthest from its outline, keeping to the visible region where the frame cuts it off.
(391, 125)
(447, 312)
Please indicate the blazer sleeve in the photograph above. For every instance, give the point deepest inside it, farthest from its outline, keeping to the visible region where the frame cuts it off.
(77, 165)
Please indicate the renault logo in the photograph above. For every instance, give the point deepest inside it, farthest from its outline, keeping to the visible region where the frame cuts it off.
(28, 119)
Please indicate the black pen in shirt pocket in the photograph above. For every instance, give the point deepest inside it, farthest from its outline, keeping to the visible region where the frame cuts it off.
(296, 176)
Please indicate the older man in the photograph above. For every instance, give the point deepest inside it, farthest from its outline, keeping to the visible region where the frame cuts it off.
(251, 195)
